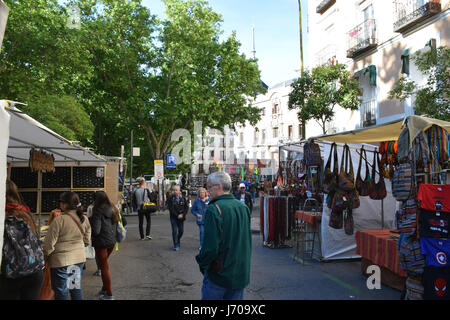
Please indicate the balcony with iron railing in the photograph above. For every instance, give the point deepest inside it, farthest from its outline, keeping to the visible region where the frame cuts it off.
(408, 13)
(368, 113)
(361, 38)
(324, 6)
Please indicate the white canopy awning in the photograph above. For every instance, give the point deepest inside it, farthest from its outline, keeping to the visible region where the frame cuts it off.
(26, 133)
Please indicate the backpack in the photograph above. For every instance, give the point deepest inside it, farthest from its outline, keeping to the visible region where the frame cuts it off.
(403, 146)
(402, 182)
(311, 153)
(22, 251)
(410, 254)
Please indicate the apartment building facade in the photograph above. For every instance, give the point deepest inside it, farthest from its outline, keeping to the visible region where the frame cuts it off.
(375, 39)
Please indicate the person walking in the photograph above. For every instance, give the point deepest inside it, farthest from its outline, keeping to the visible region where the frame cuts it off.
(178, 208)
(252, 190)
(64, 247)
(244, 196)
(26, 287)
(141, 195)
(199, 210)
(224, 259)
(105, 217)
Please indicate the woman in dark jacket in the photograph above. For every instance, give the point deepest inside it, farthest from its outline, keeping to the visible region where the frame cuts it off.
(105, 217)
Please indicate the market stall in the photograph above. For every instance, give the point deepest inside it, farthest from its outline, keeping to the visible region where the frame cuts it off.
(373, 147)
(44, 164)
(413, 250)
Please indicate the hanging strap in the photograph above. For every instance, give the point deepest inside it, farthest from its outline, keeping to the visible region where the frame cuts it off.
(78, 225)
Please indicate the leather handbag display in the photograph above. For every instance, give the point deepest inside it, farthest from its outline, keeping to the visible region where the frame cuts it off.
(330, 178)
(346, 175)
(378, 190)
(348, 222)
(363, 186)
(336, 219)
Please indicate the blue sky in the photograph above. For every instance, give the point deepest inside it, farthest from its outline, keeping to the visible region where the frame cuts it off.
(277, 34)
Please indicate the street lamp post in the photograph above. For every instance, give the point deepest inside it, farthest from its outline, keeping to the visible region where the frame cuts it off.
(301, 57)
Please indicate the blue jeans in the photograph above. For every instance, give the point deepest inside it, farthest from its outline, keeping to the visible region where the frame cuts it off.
(211, 291)
(177, 230)
(67, 279)
(202, 233)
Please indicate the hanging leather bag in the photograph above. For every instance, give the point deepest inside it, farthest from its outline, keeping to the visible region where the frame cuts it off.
(348, 222)
(346, 179)
(378, 190)
(336, 219)
(363, 186)
(330, 178)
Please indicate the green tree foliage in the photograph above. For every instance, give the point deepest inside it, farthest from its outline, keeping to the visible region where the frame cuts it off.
(433, 99)
(128, 70)
(64, 115)
(159, 76)
(41, 64)
(317, 93)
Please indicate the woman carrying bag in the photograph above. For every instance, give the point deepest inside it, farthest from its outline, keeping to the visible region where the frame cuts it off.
(64, 248)
(105, 217)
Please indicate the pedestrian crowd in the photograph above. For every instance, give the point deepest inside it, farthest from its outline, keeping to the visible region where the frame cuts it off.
(58, 262)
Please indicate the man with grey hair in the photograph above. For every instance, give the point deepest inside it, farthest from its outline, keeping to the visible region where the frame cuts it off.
(224, 258)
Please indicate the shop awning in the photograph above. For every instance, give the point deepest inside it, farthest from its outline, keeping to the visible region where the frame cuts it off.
(385, 132)
(26, 133)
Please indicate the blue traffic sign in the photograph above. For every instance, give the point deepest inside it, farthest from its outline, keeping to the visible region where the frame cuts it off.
(171, 161)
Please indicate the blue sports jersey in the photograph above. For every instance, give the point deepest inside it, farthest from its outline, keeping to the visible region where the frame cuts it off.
(436, 251)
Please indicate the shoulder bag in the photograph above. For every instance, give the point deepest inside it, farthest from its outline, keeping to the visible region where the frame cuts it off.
(148, 206)
(330, 177)
(378, 191)
(363, 186)
(346, 179)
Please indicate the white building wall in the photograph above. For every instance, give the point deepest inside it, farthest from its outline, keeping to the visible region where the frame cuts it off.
(331, 29)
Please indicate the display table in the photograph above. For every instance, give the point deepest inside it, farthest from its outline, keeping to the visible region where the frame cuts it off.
(312, 218)
(377, 247)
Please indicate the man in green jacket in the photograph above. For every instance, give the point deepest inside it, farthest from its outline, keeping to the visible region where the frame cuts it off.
(224, 259)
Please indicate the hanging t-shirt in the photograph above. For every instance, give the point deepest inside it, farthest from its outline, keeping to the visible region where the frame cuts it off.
(434, 197)
(436, 282)
(434, 224)
(436, 251)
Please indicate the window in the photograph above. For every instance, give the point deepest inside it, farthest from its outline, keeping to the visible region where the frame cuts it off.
(275, 108)
(241, 138)
(275, 132)
(211, 154)
(290, 132)
(263, 136)
(255, 137)
(300, 133)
